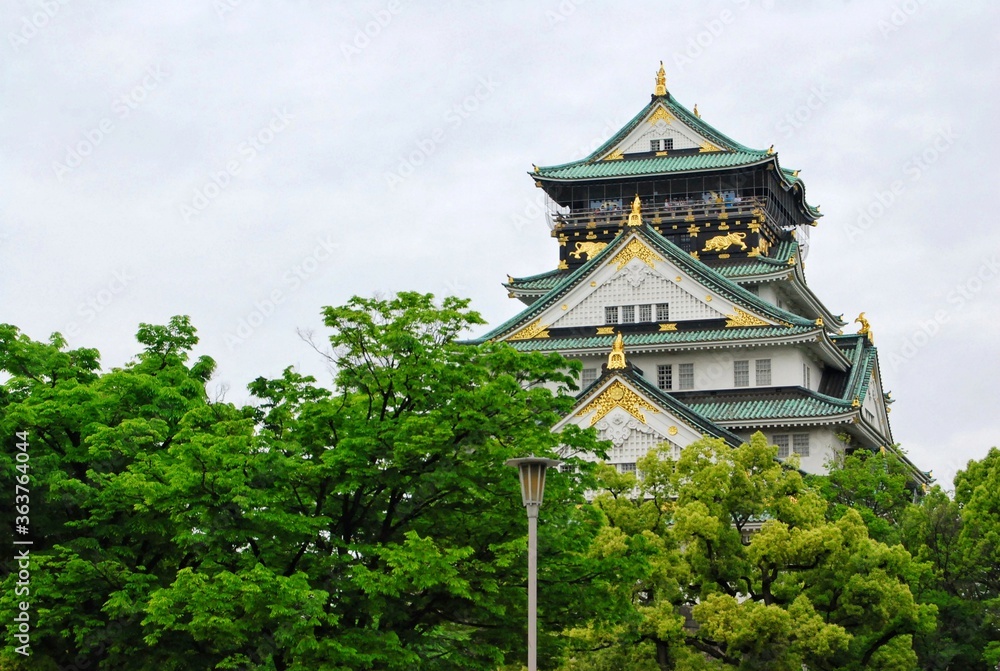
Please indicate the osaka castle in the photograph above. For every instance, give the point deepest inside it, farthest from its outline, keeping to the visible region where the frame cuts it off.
(680, 285)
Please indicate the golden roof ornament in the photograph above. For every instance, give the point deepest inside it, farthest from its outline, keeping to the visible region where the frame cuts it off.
(866, 329)
(616, 359)
(696, 112)
(770, 150)
(535, 167)
(635, 216)
(661, 82)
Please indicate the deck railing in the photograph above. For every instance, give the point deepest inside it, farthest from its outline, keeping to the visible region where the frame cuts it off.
(668, 212)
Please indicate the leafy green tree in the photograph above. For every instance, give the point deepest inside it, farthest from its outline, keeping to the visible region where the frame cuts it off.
(367, 526)
(958, 539)
(738, 567)
(875, 484)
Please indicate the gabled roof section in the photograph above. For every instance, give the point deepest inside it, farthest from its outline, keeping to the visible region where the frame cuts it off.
(755, 312)
(625, 389)
(698, 146)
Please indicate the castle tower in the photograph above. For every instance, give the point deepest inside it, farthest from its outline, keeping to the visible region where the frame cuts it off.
(686, 249)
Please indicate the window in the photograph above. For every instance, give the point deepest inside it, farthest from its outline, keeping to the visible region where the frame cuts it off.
(611, 315)
(781, 440)
(741, 373)
(685, 375)
(806, 376)
(668, 143)
(763, 372)
(662, 312)
(628, 314)
(654, 145)
(587, 376)
(799, 444)
(665, 376)
(626, 468)
(646, 313)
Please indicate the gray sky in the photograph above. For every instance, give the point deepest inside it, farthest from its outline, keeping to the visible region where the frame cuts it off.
(247, 163)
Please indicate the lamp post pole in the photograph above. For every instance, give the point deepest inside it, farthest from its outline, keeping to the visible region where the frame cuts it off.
(532, 474)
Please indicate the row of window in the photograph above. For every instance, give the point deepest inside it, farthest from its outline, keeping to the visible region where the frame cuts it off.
(793, 443)
(665, 376)
(762, 373)
(664, 145)
(685, 375)
(796, 442)
(631, 314)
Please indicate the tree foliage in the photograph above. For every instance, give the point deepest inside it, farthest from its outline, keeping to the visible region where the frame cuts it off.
(370, 525)
(739, 567)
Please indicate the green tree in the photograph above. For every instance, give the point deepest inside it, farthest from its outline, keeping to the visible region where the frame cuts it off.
(370, 525)
(875, 484)
(739, 568)
(957, 538)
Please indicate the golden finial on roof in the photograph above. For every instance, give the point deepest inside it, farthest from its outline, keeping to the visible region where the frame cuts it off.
(865, 326)
(616, 360)
(661, 82)
(770, 150)
(535, 167)
(696, 112)
(795, 173)
(635, 216)
(510, 280)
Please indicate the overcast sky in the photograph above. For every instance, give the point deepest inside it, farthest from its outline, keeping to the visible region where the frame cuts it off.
(246, 163)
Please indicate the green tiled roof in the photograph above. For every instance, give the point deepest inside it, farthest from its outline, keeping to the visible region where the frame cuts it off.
(807, 405)
(733, 155)
(863, 356)
(709, 277)
(763, 265)
(658, 338)
(541, 281)
(666, 401)
(652, 166)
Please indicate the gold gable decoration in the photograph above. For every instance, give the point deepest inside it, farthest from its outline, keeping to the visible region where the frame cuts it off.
(636, 250)
(535, 329)
(742, 318)
(616, 155)
(661, 114)
(617, 395)
(707, 146)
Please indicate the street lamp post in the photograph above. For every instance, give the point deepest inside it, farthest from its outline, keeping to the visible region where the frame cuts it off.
(532, 473)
